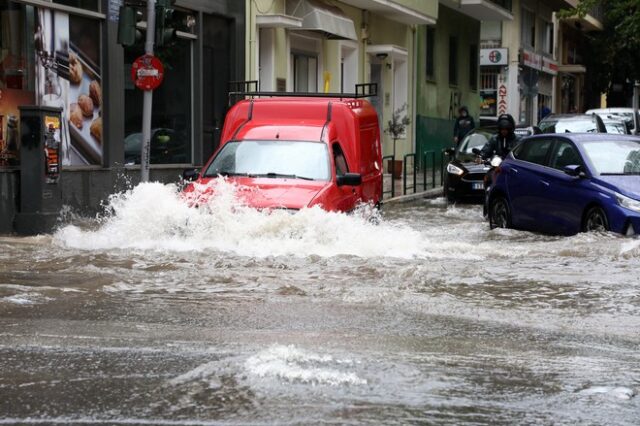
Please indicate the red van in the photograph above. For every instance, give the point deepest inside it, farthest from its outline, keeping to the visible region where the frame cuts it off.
(296, 152)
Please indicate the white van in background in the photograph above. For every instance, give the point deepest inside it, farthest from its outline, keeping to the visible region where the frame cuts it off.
(624, 114)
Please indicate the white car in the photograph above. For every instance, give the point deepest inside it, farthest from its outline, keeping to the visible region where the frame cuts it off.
(624, 114)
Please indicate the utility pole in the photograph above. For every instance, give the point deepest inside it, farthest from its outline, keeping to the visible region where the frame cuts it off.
(147, 104)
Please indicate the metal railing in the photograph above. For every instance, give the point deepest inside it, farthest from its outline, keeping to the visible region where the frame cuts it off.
(392, 171)
(405, 167)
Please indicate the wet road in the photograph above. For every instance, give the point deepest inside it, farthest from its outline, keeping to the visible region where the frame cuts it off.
(160, 314)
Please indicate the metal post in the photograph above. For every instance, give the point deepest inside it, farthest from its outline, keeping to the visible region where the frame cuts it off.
(636, 94)
(147, 105)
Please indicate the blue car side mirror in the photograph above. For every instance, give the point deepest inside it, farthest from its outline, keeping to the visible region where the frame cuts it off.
(574, 170)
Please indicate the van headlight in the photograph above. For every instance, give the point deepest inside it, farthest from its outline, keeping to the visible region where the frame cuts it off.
(628, 203)
(454, 170)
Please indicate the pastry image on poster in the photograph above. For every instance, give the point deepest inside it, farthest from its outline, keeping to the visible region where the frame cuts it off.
(68, 76)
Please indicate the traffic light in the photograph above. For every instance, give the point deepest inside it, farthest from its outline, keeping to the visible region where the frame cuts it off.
(165, 23)
(128, 33)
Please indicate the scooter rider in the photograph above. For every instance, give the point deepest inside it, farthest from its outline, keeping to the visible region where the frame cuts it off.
(502, 142)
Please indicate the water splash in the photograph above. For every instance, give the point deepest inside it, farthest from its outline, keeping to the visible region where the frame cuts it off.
(153, 216)
(296, 365)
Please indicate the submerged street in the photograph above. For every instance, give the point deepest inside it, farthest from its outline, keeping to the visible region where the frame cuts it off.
(157, 313)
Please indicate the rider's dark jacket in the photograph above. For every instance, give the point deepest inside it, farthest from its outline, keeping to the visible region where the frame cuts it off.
(497, 145)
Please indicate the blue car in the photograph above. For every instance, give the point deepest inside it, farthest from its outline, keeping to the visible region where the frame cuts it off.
(567, 183)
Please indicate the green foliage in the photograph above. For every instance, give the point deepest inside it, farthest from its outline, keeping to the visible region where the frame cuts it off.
(613, 54)
(398, 124)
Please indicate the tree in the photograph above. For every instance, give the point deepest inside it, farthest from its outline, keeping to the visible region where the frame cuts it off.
(614, 53)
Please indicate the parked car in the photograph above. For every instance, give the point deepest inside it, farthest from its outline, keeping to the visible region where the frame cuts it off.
(464, 179)
(617, 127)
(572, 123)
(567, 183)
(296, 152)
(624, 114)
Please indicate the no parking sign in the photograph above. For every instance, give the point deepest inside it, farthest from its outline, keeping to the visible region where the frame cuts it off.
(147, 72)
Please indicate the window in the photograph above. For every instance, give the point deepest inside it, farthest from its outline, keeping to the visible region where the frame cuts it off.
(453, 60)
(565, 155)
(534, 151)
(528, 32)
(546, 38)
(171, 119)
(473, 67)
(339, 160)
(430, 54)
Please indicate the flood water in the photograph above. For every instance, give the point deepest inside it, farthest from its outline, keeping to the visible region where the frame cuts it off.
(156, 313)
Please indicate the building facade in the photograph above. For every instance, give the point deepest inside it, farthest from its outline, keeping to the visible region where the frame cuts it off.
(448, 61)
(538, 69)
(317, 46)
(64, 54)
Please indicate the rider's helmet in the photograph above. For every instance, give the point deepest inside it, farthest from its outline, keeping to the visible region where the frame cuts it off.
(506, 122)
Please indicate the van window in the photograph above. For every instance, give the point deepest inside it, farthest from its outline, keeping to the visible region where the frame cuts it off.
(339, 160)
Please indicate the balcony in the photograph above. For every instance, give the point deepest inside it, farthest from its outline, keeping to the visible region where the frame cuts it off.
(410, 12)
(592, 21)
(482, 10)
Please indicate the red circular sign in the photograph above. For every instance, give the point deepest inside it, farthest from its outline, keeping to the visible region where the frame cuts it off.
(147, 72)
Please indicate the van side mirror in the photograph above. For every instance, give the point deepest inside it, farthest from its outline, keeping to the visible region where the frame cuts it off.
(574, 170)
(476, 151)
(190, 174)
(349, 179)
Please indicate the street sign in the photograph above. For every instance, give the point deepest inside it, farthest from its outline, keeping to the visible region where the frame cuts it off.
(147, 72)
(494, 56)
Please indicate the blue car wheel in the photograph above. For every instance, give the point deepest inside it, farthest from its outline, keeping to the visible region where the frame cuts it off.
(499, 213)
(595, 220)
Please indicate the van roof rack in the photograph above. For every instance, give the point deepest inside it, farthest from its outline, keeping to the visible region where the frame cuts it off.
(239, 89)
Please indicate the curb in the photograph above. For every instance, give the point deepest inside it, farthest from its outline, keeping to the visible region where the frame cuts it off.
(432, 193)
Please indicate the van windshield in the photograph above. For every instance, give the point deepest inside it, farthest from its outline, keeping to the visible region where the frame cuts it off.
(272, 159)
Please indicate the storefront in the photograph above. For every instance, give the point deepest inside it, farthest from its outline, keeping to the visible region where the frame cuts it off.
(64, 54)
(493, 63)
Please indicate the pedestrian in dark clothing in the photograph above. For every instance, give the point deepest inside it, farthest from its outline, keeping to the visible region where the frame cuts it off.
(502, 142)
(463, 125)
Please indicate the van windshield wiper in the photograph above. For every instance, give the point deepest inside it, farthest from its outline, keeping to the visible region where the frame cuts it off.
(225, 173)
(283, 175)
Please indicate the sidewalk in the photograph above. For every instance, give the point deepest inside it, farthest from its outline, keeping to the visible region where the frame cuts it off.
(420, 191)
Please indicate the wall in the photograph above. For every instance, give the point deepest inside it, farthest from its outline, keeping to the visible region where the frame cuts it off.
(437, 100)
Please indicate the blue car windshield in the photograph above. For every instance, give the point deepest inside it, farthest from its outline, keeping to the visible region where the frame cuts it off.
(273, 159)
(621, 157)
(568, 126)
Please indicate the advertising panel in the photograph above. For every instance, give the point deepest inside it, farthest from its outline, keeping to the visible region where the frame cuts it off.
(68, 76)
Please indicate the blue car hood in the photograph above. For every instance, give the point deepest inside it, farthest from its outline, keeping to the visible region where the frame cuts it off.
(628, 185)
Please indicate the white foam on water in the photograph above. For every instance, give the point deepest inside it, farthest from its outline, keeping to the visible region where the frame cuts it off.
(153, 216)
(292, 364)
(26, 299)
(619, 392)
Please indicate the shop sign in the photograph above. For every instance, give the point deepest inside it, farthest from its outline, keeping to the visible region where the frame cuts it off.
(531, 60)
(494, 56)
(147, 72)
(549, 66)
(502, 99)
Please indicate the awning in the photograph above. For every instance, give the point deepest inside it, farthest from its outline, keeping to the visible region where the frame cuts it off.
(323, 18)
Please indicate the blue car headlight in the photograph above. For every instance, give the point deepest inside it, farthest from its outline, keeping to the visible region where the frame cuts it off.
(454, 170)
(628, 203)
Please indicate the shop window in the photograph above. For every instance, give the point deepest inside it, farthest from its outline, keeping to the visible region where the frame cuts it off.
(171, 120)
(489, 91)
(430, 54)
(453, 60)
(17, 79)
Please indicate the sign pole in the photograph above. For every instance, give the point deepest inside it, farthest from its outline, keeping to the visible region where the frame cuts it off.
(147, 104)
